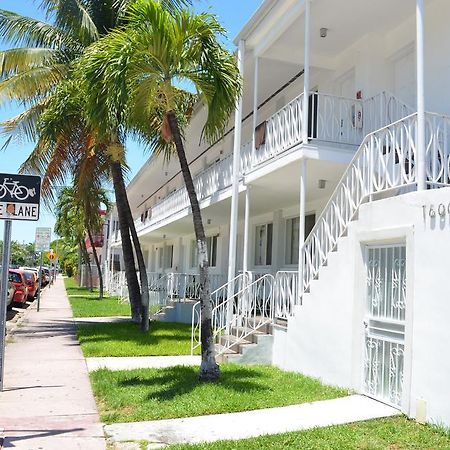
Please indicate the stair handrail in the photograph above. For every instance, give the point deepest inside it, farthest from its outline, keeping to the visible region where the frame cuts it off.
(218, 295)
(251, 309)
(384, 161)
(286, 291)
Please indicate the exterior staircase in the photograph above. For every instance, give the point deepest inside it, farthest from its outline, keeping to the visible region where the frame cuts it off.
(385, 165)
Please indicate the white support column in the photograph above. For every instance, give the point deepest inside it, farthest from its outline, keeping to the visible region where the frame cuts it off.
(255, 101)
(306, 67)
(421, 146)
(246, 228)
(236, 164)
(301, 230)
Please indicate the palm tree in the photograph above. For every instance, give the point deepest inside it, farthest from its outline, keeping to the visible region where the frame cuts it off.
(70, 225)
(30, 74)
(134, 77)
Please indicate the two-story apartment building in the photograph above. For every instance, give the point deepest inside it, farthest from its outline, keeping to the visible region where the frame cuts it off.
(330, 160)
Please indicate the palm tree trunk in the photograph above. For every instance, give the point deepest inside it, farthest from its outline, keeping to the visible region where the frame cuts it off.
(97, 263)
(134, 291)
(87, 263)
(209, 370)
(145, 319)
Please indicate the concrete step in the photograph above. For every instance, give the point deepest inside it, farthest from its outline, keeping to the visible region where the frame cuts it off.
(252, 335)
(232, 342)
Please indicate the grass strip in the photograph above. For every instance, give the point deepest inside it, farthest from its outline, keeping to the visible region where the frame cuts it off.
(394, 433)
(151, 394)
(85, 303)
(126, 339)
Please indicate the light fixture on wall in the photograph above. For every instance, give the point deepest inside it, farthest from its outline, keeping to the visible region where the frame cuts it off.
(321, 184)
(323, 32)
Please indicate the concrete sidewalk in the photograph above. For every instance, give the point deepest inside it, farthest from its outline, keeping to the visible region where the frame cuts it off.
(141, 362)
(249, 424)
(47, 402)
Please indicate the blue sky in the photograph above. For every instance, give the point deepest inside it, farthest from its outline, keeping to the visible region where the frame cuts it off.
(233, 14)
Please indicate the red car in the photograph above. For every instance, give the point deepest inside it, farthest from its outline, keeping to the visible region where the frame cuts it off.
(21, 290)
(32, 282)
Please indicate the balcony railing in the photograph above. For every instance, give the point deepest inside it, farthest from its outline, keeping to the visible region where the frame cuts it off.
(332, 119)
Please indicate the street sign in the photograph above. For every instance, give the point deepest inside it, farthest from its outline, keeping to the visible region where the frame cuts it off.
(19, 197)
(52, 255)
(42, 239)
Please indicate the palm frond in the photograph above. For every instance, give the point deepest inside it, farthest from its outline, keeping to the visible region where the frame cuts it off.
(24, 31)
(16, 60)
(32, 85)
(24, 127)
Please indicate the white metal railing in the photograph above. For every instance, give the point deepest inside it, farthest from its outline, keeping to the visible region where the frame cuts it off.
(385, 163)
(218, 296)
(382, 110)
(178, 287)
(335, 119)
(283, 131)
(437, 137)
(286, 291)
(332, 119)
(248, 311)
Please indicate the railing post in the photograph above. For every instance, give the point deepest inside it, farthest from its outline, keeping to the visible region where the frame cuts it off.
(306, 67)
(235, 187)
(421, 146)
(255, 102)
(246, 228)
(301, 228)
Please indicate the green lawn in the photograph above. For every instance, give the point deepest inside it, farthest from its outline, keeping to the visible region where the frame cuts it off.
(126, 339)
(395, 433)
(86, 304)
(150, 394)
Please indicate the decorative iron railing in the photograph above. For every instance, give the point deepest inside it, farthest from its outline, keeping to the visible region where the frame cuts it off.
(332, 119)
(219, 295)
(385, 163)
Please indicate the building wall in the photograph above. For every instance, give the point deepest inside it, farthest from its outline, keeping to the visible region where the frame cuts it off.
(325, 338)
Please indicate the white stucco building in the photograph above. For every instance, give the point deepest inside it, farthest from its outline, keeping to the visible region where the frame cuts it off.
(341, 160)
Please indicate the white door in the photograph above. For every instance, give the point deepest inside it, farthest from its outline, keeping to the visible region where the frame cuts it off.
(385, 323)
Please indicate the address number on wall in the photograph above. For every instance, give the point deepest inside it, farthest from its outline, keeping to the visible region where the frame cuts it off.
(440, 210)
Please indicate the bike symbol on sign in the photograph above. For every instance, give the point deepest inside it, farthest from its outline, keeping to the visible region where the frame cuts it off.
(15, 190)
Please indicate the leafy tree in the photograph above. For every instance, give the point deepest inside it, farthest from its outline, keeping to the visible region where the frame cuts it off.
(29, 75)
(134, 77)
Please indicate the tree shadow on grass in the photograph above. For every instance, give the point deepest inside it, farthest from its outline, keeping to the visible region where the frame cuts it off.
(180, 380)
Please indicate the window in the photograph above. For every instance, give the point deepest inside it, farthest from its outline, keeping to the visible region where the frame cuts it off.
(292, 233)
(263, 245)
(168, 256)
(211, 244)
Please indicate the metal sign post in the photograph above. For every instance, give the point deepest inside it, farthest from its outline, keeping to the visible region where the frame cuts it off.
(4, 296)
(19, 200)
(42, 244)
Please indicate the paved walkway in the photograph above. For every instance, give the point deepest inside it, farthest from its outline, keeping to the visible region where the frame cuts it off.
(95, 320)
(141, 362)
(252, 423)
(48, 403)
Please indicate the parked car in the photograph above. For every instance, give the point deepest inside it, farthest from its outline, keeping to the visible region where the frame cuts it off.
(46, 277)
(31, 280)
(11, 291)
(35, 270)
(20, 287)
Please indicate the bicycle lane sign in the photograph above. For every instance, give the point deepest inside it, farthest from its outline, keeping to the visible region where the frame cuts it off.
(19, 197)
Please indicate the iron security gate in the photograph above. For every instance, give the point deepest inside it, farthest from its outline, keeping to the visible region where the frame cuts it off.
(385, 323)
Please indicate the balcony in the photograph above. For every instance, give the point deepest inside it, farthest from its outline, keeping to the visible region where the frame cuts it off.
(335, 121)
